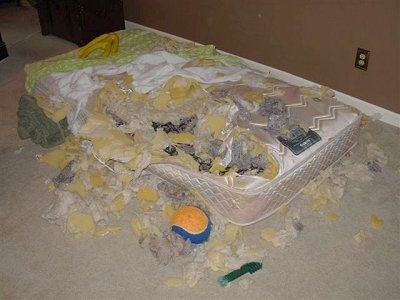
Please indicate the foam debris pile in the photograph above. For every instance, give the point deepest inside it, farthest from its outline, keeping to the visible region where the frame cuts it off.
(179, 104)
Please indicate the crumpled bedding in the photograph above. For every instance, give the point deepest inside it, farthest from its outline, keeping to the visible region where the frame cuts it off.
(133, 43)
(148, 70)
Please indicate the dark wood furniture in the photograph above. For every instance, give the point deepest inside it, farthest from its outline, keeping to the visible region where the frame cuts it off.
(3, 49)
(79, 21)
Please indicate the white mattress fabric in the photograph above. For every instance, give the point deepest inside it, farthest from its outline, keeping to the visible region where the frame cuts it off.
(174, 106)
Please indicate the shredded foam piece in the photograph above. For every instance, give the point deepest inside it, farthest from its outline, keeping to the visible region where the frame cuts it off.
(61, 208)
(101, 232)
(147, 193)
(279, 239)
(166, 248)
(360, 237)
(357, 172)
(326, 188)
(375, 153)
(174, 282)
(283, 211)
(169, 210)
(282, 239)
(333, 217)
(318, 202)
(51, 186)
(54, 110)
(78, 187)
(118, 203)
(286, 236)
(193, 272)
(376, 222)
(139, 228)
(268, 234)
(79, 223)
(216, 260)
(232, 233)
(55, 158)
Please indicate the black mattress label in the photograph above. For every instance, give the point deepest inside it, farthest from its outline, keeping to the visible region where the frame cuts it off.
(299, 145)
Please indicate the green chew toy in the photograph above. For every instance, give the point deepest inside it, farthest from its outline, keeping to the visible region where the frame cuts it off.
(250, 267)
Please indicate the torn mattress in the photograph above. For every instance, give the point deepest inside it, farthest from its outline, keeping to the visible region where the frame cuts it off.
(244, 141)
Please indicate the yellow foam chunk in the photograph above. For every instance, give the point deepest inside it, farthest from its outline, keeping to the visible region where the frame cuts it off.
(139, 228)
(182, 159)
(78, 187)
(318, 202)
(147, 193)
(100, 232)
(56, 158)
(161, 102)
(108, 190)
(216, 260)
(137, 154)
(72, 145)
(169, 210)
(216, 124)
(376, 222)
(108, 142)
(97, 180)
(125, 179)
(268, 234)
(214, 243)
(232, 233)
(79, 223)
(182, 138)
(173, 281)
(178, 92)
(128, 79)
(54, 110)
(118, 203)
(360, 237)
(137, 138)
(257, 147)
(39, 178)
(155, 230)
(179, 86)
(217, 166)
(160, 140)
(333, 217)
(284, 210)
(254, 96)
(115, 145)
(272, 170)
(146, 206)
(51, 186)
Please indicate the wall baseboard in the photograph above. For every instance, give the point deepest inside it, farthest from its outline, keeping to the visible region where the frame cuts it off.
(371, 110)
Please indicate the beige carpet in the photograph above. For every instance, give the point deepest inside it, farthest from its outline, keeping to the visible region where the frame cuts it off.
(39, 261)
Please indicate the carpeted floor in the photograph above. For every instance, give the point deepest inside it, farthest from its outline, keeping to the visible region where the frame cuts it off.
(343, 259)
